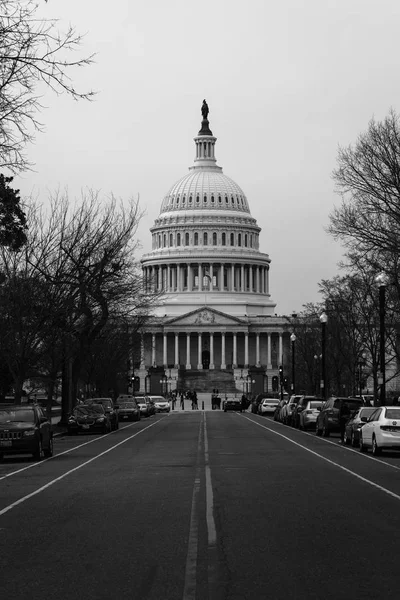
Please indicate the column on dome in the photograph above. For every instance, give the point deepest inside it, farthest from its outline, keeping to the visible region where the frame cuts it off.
(280, 348)
(200, 277)
(251, 278)
(178, 278)
(242, 286)
(199, 351)
(221, 278)
(257, 279)
(232, 278)
(211, 276)
(189, 278)
(212, 350)
(165, 357)
(223, 359)
(269, 353)
(267, 280)
(234, 351)
(246, 349)
(168, 278)
(188, 365)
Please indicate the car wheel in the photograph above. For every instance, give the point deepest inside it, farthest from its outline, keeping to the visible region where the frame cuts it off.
(361, 444)
(353, 439)
(38, 454)
(325, 431)
(49, 452)
(346, 439)
(376, 451)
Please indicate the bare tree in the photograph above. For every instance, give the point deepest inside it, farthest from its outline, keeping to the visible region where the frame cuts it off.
(32, 51)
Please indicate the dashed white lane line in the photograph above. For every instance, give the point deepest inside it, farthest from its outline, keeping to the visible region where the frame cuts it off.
(190, 583)
(332, 462)
(53, 481)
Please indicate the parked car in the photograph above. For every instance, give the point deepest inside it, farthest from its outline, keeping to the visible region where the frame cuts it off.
(160, 404)
(287, 409)
(381, 430)
(268, 406)
(25, 429)
(354, 425)
(128, 409)
(88, 418)
(144, 406)
(307, 412)
(278, 410)
(335, 409)
(233, 404)
(109, 409)
(255, 403)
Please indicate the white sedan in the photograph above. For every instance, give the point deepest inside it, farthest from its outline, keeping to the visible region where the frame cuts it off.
(381, 430)
(268, 406)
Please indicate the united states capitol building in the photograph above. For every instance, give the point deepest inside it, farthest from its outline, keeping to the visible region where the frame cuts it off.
(215, 326)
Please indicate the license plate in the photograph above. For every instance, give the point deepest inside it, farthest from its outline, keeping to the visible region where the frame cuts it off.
(85, 426)
(7, 443)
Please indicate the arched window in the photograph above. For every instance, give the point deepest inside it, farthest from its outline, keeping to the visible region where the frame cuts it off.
(205, 238)
(239, 239)
(232, 239)
(186, 239)
(196, 239)
(171, 239)
(219, 199)
(184, 200)
(245, 240)
(214, 239)
(190, 199)
(223, 241)
(164, 240)
(205, 198)
(159, 240)
(251, 241)
(178, 239)
(212, 199)
(197, 199)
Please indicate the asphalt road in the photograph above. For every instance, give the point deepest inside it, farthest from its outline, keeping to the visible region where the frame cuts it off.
(196, 506)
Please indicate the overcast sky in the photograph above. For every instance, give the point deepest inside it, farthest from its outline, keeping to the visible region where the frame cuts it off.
(286, 81)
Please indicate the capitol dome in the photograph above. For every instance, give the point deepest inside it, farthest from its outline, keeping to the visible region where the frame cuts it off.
(205, 233)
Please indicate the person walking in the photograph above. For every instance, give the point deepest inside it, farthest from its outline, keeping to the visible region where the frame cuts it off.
(182, 401)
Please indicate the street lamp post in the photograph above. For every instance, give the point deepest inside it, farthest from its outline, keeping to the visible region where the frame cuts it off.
(293, 339)
(323, 320)
(382, 281)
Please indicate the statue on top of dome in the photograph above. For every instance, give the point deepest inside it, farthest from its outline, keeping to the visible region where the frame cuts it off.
(204, 110)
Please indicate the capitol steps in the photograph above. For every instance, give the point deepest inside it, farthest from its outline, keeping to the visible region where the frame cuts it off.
(206, 380)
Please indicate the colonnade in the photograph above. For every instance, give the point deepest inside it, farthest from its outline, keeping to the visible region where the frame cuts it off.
(186, 347)
(232, 277)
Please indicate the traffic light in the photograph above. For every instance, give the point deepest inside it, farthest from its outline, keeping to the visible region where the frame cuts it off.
(281, 374)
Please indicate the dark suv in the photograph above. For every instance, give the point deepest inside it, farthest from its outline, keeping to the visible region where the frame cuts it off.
(333, 412)
(109, 409)
(25, 429)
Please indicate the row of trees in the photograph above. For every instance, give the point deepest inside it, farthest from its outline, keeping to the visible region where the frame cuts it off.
(367, 223)
(71, 298)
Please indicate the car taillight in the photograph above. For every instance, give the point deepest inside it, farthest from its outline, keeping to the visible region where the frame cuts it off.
(309, 412)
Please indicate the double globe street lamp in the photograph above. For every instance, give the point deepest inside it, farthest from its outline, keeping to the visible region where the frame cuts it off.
(323, 320)
(293, 339)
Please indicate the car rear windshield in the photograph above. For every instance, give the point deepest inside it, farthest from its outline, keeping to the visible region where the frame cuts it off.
(15, 415)
(127, 404)
(353, 404)
(88, 409)
(366, 412)
(270, 401)
(315, 404)
(392, 413)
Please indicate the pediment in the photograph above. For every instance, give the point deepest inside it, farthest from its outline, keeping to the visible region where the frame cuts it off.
(205, 316)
